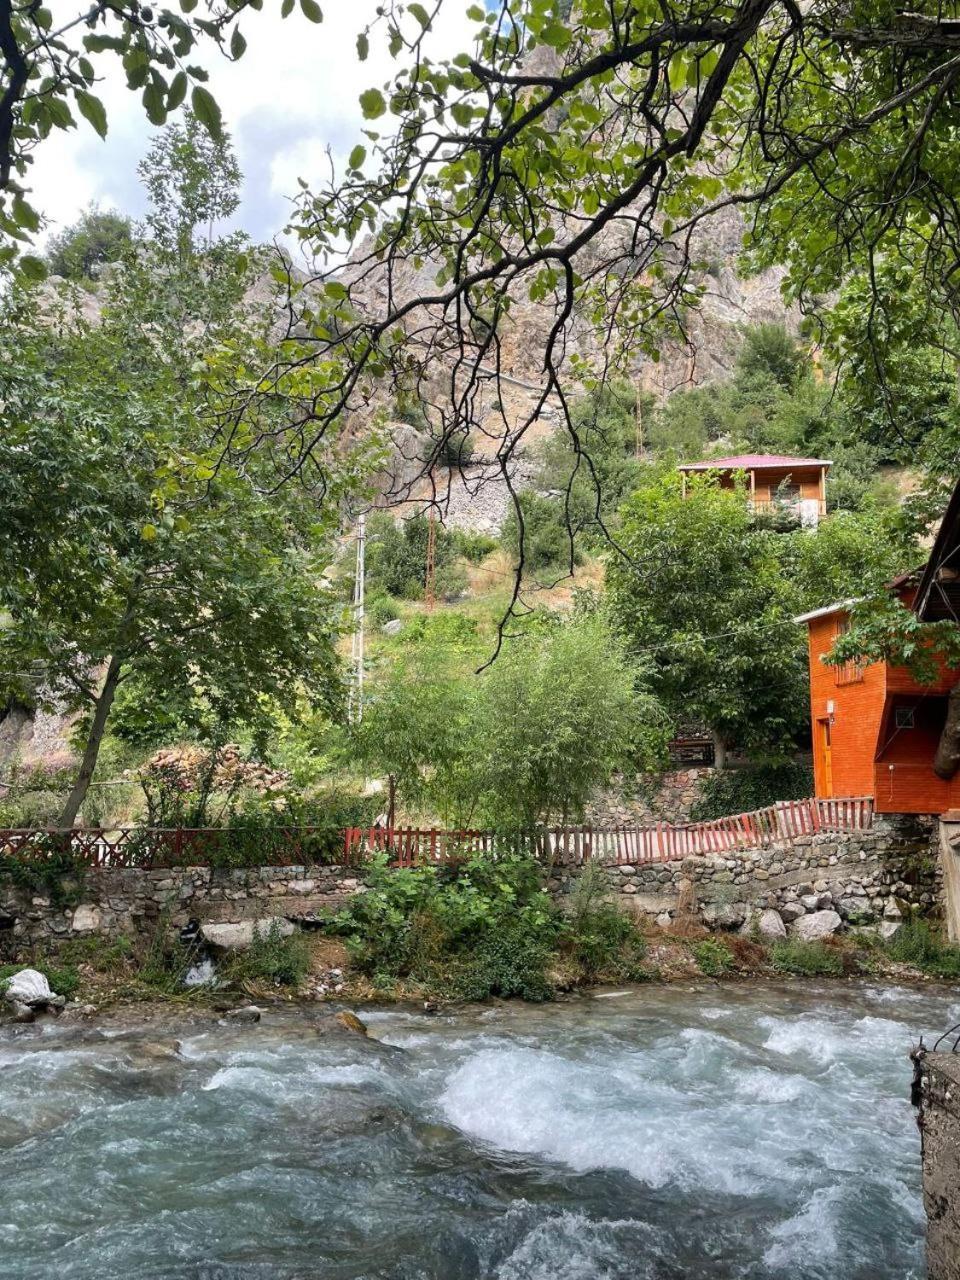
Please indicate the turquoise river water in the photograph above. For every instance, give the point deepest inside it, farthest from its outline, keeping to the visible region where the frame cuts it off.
(660, 1133)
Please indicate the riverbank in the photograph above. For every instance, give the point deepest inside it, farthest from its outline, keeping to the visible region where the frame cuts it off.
(98, 980)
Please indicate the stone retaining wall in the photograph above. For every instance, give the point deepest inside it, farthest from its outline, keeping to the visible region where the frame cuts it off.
(870, 876)
(641, 801)
(939, 1101)
(126, 901)
(864, 876)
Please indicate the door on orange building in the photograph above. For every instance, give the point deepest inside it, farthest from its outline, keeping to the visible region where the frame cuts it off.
(824, 756)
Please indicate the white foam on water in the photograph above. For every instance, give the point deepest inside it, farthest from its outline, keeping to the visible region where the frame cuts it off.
(262, 1081)
(809, 1235)
(762, 1085)
(571, 1246)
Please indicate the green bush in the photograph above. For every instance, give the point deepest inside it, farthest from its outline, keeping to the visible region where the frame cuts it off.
(603, 942)
(481, 928)
(546, 537)
(397, 558)
(53, 871)
(473, 545)
(754, 786)
(713, 956)
(271, 958)
(381, 610)
(809, 959)
(916, 944)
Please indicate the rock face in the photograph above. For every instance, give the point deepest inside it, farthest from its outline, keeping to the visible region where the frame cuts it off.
(817, 925)
(239, 936)
(30, 990)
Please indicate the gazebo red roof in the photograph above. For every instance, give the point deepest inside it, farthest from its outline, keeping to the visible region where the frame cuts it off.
(755, 462)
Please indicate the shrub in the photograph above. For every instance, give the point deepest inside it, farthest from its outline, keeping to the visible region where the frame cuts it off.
(809, 959)
(381, 610)
(915, 943)
(546, 537)
(271, 958)
(713, 956)
(53, 872)
(753, 787)
(481, 928)
(473, 545)
(397, 556)
(602, 942)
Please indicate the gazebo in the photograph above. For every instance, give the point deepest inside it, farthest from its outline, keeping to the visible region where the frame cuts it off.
(799, 484)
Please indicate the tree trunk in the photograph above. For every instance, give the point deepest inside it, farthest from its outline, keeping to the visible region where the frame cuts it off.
(92, 750)
(719, 751)
(946, 761)
(391, 801)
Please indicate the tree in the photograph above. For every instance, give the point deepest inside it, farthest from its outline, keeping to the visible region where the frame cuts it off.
(561, 710)
(130, 549)
(417, 729)
(48, 72)
(699, 592)
(97, 238)
(571, 163)
(709, 595)
(191, 178)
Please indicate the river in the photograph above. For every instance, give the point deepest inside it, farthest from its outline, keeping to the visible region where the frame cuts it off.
(658, 1133)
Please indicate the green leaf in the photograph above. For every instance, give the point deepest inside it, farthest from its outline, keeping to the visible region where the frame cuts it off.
(206, 110)
(372, 104)
(462, 114)
(476, 13)
(286, 8)
(311, 10)
(149, 532)
(155, 101)
(357, 157)
(363, 46)
(31, 267)
(24, 214)
(178, 91)
(420, 13)
(238, 43)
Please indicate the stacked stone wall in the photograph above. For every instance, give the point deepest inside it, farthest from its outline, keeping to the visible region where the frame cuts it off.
(866, 877)
(642, 801)
(126, 901)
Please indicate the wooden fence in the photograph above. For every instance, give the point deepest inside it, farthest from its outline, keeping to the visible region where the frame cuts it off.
(783, 822)
(408, 846)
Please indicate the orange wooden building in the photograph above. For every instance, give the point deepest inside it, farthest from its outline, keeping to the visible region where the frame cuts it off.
(875, 729)
(796, 483)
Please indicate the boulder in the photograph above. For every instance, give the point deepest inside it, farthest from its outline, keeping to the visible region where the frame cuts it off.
(724, 915)
(816, 925)
(771, 924)
(889, 929)
(351, 1022)
(393, 627)
(810, 901)
(31, 989)
(791, 911)
(239, 936)
(855, 908)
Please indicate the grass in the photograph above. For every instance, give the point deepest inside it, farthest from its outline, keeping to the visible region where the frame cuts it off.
(806, 959)
(916, 944)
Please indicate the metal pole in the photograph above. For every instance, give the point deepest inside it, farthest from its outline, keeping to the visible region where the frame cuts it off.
(355, 706)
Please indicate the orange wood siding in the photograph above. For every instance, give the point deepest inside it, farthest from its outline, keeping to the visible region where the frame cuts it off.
(868, 754)
(858, 708)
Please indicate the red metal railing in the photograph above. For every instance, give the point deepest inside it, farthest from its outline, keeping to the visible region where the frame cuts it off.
(783, 822)
(411, 846)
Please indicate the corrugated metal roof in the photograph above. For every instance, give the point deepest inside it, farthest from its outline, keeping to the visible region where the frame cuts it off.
(754, 462)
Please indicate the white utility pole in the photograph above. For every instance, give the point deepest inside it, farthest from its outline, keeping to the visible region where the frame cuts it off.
(355, 706)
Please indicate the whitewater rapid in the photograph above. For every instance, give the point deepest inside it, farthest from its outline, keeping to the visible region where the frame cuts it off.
(707, 1133)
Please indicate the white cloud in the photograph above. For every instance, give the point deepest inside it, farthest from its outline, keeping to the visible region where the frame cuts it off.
(292, 95)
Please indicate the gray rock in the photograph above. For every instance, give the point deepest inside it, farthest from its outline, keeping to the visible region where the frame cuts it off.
(889, 929)
(892, 911)
(724, 915)
(791, 911)
(771, 924)
(23, 1012)
(854, 908)
(810, 901)
(248, 1013)
(86, 918)
(30, 988)
(816, 925)
(239, 936)
(392, 627)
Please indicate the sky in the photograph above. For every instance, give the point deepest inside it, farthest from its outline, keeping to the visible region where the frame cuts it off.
(292, 95)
